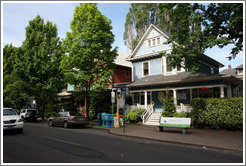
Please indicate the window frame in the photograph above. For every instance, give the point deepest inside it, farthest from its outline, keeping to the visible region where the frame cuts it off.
(145, 69)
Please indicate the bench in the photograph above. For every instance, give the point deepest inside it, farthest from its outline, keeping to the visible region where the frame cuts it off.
(183, 123)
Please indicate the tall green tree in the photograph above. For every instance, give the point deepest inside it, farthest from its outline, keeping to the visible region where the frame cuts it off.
(88, 63)
(13, 87)
(40, 64)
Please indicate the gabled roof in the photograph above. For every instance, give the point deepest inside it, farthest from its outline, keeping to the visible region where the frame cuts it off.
(121, 60)
(239, 67)
(232, 72)
(165, 33)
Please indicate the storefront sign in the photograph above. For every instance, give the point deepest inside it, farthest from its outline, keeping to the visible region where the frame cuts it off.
(175, 122)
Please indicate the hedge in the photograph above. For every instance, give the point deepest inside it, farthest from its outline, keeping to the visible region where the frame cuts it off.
(219, 113)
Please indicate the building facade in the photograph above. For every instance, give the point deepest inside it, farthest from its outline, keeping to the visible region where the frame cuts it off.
(152, 76)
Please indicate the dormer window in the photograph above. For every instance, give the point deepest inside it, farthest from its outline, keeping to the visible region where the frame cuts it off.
(149, 43)
(158, 41)
(146, 68)
(153, 42)
(169, 68)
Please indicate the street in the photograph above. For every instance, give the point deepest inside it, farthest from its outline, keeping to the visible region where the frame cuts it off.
(40, 143)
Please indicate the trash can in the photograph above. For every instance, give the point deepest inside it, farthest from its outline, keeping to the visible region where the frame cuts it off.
(99, 118)
(107, 120)
(103, 120)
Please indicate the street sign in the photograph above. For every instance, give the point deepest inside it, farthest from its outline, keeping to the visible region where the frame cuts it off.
(112, 97)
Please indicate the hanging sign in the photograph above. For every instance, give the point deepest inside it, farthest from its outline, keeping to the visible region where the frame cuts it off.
(112, 97)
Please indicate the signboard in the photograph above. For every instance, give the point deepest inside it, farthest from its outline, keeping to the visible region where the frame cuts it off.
(175, 122)
(116, 122)
(112, 97)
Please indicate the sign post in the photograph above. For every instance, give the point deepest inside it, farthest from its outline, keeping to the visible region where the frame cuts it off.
(112, 101)
(124, 89)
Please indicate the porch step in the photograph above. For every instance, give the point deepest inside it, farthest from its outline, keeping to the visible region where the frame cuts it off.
(153, 119)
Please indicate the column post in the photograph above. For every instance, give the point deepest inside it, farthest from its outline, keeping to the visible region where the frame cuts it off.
(222, 94)
(145, 99)
(175, 96)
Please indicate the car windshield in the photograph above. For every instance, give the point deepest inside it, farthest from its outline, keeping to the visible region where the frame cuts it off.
(73, 113)
(31, 111)
(7, 111)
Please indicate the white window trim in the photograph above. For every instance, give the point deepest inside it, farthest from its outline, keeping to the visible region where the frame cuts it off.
(143, 68)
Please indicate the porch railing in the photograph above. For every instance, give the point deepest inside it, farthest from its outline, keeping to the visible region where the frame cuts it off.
(147, 113)
(182, 107)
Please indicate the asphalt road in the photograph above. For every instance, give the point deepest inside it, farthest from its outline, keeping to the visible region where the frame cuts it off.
(42, 144)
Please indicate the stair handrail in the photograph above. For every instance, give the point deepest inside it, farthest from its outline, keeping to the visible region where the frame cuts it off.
(146, 114)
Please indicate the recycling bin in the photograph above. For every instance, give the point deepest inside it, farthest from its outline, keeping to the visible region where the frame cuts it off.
(103, 120)
(99, 118)
(107, 120)
(112, 119)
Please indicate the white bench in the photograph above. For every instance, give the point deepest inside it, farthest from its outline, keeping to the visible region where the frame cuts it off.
(183, 123)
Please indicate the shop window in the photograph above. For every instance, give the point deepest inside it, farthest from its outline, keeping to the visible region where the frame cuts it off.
(149, 43)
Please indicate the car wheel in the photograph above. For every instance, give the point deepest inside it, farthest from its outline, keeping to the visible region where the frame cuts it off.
(65, 124)
(51, 123)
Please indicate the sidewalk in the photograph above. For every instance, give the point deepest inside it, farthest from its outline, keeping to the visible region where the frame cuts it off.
(206, 138)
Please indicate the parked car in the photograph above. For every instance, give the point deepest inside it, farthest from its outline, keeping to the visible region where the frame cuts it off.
(29, 114)
(11, 120)
(68, 118)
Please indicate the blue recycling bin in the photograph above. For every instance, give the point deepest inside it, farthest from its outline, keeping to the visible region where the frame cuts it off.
(107, 120)
(99, 118)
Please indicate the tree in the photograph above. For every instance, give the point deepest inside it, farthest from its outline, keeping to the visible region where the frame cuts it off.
(88, 63)
(40, 64)
(168, 105)
(13, 87)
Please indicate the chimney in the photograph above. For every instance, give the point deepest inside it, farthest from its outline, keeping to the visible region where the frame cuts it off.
(229, 66)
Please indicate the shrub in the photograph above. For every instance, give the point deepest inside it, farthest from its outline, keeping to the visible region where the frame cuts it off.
(134, 115)
(168, 106)
(181, 114)
(219, 113)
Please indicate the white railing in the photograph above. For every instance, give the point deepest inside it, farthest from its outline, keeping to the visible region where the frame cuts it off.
(147, 113)
(182, 107)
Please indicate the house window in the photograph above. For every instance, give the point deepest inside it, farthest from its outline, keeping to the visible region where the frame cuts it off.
(149, 43)
(146, 68)
(153, 42)
(158, 41)
(212, 70)
(168, 65)
(153, 34)
(127, 74)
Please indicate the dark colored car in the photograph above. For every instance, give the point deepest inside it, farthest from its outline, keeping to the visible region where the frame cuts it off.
(29, 114)
(68, 118)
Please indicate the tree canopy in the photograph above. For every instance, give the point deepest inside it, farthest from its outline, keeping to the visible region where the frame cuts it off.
(89, 58)
(39, 65)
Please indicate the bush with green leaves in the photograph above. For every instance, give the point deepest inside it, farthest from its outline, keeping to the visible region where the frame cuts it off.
(168, 105)
(181, 114)
(218, 113)
(134, 115)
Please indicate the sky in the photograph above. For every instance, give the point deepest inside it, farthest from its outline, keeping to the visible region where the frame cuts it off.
(15, 18)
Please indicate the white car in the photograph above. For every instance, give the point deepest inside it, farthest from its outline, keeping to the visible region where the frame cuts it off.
(11, 120)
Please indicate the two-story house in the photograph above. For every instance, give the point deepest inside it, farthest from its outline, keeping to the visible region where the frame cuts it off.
(152, 78)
